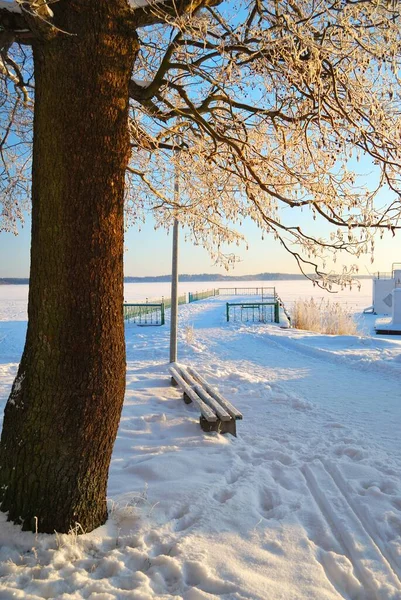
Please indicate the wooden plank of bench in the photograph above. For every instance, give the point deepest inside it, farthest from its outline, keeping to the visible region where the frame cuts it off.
(204, 408)
(224, 403)
(204, 395)
(208, 399)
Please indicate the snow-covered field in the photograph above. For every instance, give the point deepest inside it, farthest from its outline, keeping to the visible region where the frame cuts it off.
(304, 504)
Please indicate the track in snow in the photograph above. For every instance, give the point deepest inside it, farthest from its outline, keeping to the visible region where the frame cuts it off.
(374, 567)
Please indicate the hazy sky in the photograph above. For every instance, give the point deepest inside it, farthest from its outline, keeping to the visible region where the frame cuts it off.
(148, 252)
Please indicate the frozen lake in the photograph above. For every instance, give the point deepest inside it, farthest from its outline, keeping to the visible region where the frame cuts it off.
(13, 298)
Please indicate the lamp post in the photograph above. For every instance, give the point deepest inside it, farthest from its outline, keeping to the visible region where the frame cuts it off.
(174, 276)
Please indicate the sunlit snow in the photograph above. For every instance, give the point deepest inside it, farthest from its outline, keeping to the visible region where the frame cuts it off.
(305, 504)
(140, 3)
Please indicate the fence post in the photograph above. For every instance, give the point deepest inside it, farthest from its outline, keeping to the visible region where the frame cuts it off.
(276, 312)
(227, 311)
(162, 314)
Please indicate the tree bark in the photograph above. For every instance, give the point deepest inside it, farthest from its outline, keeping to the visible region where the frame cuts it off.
(62, 416)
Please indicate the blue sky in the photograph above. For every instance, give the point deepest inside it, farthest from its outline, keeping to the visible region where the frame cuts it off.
(148, 252)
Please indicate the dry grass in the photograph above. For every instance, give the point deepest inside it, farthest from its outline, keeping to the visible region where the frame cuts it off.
(323, 317)
(189, 334)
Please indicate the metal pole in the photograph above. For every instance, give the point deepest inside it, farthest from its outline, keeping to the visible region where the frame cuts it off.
(174, 279)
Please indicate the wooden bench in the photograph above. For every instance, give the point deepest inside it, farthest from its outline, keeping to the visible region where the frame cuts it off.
(217, 414)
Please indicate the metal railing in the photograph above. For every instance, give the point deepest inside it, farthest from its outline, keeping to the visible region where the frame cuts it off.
(193, 297)
(255, 312)
(268, 292)
(383, 275)
(267, 311)
(285, 311)
(145, 314)
(167, 301)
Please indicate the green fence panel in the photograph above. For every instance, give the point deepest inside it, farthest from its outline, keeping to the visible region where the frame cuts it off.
(267, 293)
(167, 301)
(193, 297)
(276, 312)
(255, 312)
(149, 313)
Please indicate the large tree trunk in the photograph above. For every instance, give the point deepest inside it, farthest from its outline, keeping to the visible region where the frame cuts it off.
(62, 416)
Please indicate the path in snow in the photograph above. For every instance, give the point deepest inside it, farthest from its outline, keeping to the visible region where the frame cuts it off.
(356, 380)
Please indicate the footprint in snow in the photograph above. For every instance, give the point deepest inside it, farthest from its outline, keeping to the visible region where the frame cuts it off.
(395, 524)
(397, 503)
(286, 478)
(199, 576)
(269, 501)
(244, 455)
(233, 476)
(273, 547)
(276, 455)
(389, 488)
(164, 550)
(223, 495)
(186, 522)
(181, 512)
(164, 572)
(355, 454)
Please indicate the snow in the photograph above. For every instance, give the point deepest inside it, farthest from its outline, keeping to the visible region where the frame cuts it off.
(10, 6)
(140, 3)
(305, 504)
(16, 7)
(142, 82)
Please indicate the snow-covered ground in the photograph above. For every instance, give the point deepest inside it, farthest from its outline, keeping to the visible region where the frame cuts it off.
(304, 504)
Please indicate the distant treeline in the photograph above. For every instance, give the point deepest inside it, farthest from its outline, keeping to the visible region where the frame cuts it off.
(214, 277)
(186, 277)
(217, 277)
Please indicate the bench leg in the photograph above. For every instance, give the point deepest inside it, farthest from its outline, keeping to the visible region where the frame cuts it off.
(219, 426)
(187, 399)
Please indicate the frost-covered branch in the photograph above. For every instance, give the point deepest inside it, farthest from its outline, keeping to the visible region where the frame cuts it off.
(277, 104)
(270, 106)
